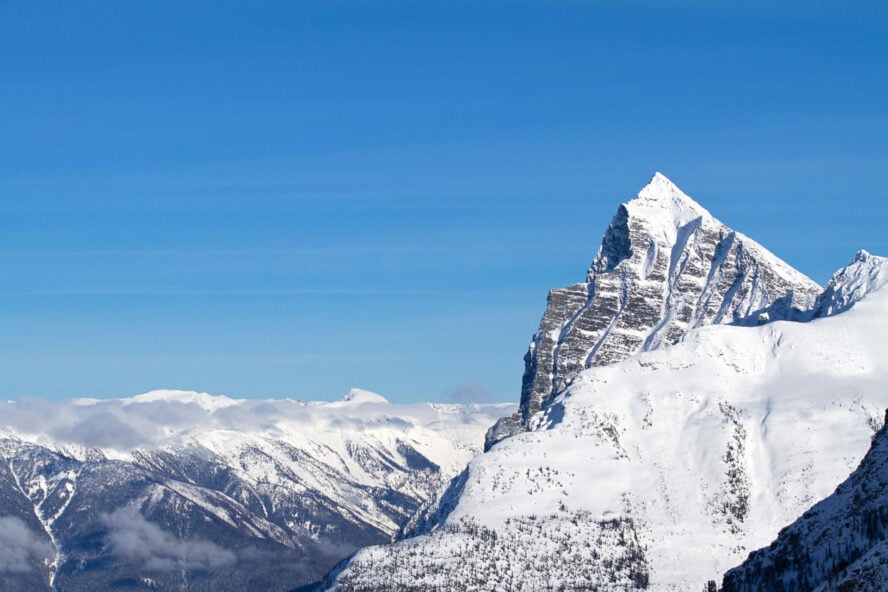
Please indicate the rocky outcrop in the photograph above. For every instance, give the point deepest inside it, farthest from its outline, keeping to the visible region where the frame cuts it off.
(665, 266)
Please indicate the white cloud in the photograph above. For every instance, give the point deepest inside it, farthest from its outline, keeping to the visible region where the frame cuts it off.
(20, 548)
(135, 539)
(166, 418)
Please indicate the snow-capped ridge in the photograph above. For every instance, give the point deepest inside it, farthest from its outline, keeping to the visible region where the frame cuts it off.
(204, 400)
(864, 275)
(305, 484)
(670, 424)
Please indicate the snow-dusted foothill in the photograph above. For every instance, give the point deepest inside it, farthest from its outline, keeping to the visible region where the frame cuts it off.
(175, 487)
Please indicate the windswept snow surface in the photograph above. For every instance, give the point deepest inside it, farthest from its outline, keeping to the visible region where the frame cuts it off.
(661, 471)
(271, 492)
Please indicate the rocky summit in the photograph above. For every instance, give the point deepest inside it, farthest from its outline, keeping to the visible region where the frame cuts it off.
(665, 266)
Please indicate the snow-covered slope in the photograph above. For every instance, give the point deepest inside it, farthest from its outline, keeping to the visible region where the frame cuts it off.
(659, 472)
(665, 266)
(839, 545)
(176, 487)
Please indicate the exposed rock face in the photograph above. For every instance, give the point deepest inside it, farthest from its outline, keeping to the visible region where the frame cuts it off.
(665, 266)
(841, 544)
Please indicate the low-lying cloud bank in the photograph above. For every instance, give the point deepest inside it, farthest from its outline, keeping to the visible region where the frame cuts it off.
(149, 419)
(20, 548)
(133, 538)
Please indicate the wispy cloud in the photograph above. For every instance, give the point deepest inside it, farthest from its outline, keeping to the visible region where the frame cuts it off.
(20, 548)
(170, 416)
(135, 539)
(469, 392)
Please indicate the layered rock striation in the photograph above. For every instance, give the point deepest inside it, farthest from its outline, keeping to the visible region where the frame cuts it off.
(665, 266)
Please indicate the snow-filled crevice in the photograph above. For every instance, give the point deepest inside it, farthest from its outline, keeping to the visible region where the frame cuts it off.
(53, 566)
(716, 272)
(678, 256)
(650, 259)
(678, 259)
(624, 296)
(566, 329)
(728, 303)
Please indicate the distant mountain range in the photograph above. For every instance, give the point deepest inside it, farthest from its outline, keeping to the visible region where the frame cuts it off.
(175, 490)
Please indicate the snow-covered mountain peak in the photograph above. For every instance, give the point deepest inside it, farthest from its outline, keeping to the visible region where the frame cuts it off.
(356, 396)
(662, 200)
(864, 275)
(665, 266)
(204, 400)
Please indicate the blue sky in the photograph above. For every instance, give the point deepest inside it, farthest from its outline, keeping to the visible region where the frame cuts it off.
(290, 199)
